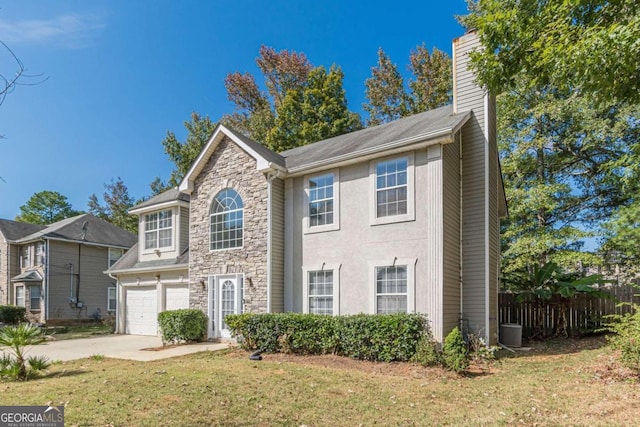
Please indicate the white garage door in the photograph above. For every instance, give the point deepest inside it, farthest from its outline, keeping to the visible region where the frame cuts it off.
(176, 297)
(141, 314)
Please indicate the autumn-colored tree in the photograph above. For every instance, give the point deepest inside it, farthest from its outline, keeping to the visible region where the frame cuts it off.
(301, 104)
(429, 87)
(117, 203)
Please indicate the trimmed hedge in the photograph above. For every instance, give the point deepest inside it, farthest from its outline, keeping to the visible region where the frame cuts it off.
(12, 315)
(388, 337)
(182, 325)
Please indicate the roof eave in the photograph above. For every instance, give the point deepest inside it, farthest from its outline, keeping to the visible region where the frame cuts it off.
(147, 269)
(155, 207)
(442, 136)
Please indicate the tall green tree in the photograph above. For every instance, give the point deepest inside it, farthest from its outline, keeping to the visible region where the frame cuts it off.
(589, 46)
(46, 207)
(281, 116)
(429, 87)
(315, 111)
(117, 202)
(184, 153)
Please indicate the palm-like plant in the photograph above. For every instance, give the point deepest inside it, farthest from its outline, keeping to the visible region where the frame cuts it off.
(18, 339)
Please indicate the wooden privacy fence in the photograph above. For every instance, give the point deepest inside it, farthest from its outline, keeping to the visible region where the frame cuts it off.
(584, 315)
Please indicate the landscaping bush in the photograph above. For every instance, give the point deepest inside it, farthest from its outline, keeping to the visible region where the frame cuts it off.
(369, 337)
(428, 352)
(182, 325)
(454, 351)
(12, 315)
(14, 364)
(626, 337)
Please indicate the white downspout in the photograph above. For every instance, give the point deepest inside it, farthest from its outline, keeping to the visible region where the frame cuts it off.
(46, 281)
(487, 248)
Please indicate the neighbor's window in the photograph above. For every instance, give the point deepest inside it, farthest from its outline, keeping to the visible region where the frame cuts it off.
(321, 200)
(24, 257)
(40, 253)
(226, 220)
(114, 255)
(158, 230)
(391, 187)
(321, 292)
(20, 296)
(112, 298)
(391, 289)
(34, 297)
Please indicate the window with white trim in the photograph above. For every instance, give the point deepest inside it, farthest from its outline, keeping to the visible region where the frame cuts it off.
(391, 289)
(321, 200)
(40, 253)
(158, 230)
(20, 296)
(320, 292)
(112, 298)
(34, 297)
(391, 187)
(226, 220)
(25, 256)
(114, 255)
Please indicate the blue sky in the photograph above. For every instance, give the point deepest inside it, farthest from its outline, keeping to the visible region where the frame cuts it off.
(120, 74)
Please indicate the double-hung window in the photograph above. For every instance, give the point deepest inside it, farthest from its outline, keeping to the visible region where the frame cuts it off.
(20, 296)
(321, 292)
(34, 297)
(40, 253)
(114, 255)
(111, 298)
(25, 256)
(158, 230)
(322, 208)
(391, 289)
(392, 181)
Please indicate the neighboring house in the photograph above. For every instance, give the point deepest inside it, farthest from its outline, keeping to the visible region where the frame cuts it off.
(56, 271)
(402, 217)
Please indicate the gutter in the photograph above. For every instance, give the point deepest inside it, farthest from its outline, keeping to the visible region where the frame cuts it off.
(147, 269)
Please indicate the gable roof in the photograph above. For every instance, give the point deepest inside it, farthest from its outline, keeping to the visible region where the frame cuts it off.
(265, 158)
(84, 228)
(13, 230)
(166, 197)
(130, 262)
(429, 125)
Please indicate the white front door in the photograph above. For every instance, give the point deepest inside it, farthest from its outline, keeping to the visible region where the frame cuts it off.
(225, 297)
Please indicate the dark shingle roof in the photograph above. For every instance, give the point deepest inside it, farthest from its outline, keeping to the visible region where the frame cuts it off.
(130, 261)
(14, 230)
(170, 195)
(95, 231)
(426, 124)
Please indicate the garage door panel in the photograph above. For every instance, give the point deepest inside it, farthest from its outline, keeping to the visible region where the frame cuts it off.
(176, 297)
(141, 314)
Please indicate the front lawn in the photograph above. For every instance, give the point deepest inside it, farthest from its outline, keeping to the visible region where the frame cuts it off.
(543, 387)
(74, 332)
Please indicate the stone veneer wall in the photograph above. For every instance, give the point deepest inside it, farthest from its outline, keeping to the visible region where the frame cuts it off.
(230, 166)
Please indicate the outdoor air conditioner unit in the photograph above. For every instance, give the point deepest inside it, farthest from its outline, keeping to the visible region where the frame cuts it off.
(511, 334)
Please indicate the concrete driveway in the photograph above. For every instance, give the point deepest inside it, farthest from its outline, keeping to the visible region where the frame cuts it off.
(130, 347)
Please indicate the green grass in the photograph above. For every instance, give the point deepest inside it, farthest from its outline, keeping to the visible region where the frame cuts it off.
(225, 388)
(75, 332)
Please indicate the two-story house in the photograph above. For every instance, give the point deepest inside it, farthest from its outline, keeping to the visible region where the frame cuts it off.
(56, 271)
(402, 217)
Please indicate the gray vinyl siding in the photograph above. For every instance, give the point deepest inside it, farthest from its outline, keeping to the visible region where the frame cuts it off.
(183, 238)
(93, 283)
(451, 236)
(494, 222)
(277, 245)
(474, 257)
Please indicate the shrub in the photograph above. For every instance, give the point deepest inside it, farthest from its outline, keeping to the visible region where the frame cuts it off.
(182, 325)
(454, 351)
(369, 337)
(12, 315)
(15, 364)
(428, 352)
(626, 337)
